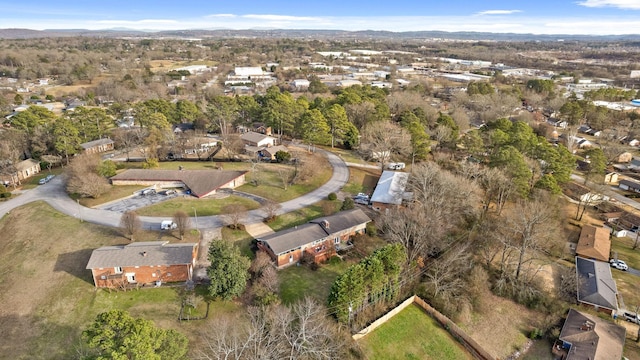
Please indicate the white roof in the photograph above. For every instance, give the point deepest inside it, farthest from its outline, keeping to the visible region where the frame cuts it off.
(248, 71)
(390, 188)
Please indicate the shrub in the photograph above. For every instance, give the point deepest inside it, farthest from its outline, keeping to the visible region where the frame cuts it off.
(150, 164)
(347, 204)
(332, 196)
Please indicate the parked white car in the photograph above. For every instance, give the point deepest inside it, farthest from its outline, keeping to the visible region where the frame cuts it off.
(168, 225)
(619, 264)
(396, 166)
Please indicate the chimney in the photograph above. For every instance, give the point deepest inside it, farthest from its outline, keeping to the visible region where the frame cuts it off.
(144, 253)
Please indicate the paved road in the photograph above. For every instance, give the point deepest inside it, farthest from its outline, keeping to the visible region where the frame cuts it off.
(54, 194)
(609, 191)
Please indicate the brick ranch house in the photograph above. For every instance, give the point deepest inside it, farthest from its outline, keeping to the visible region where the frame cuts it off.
(142, 263)
(316, 240)
(24, 170)
(97, 146)
(201, 183)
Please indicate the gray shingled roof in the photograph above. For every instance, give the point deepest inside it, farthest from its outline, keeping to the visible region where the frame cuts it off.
(157, 253)
(254, 137)
(200, 182)
(595, 283)
(293, 238)
(98, 142)
(601, 340)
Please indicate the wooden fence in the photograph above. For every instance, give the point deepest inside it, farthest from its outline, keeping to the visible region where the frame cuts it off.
(471, 345)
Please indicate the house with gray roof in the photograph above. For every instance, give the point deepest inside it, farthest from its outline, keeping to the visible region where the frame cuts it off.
(201, 183)
(390, 190)
(317, 240)
(142, 264)
(596, 287)
(97, 146)
(585, 336)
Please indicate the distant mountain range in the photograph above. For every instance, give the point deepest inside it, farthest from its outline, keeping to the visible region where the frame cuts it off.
(302, 34)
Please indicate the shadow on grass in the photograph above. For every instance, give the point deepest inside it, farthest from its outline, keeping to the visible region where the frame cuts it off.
(74, 263)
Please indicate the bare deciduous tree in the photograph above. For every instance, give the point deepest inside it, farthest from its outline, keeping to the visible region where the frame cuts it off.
(182, 221)
(83, 178)
(235, 214)
(130, 224)
(271, 209)
(382, 140)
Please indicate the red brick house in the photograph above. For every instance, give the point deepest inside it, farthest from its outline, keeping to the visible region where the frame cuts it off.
(142, 263)
(317, 240)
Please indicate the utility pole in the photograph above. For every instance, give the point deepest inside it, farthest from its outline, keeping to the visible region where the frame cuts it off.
(196, 215)
(79, 210)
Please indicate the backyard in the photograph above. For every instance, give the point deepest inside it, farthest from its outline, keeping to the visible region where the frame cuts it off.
(48, 296)
(203, 207)
(412, 334)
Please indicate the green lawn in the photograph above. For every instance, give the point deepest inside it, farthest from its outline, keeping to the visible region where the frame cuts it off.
(302, 216)
(627, 283)
(362, 180)
(48, 295)
(297, 282)
(204, 207)
(241, 239)
(114, 193)
(412, 334)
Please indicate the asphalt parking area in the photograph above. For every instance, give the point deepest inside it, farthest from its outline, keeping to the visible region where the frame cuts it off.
(137, 202)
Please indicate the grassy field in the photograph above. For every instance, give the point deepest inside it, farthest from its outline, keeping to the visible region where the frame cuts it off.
(114, 193)
(362, 180)
(302, 216)
(296, 282)
(241, 239)
(204, 207)
(412, 334)
(48, 296)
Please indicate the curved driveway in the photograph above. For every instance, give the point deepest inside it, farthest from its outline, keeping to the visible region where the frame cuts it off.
(54, 194)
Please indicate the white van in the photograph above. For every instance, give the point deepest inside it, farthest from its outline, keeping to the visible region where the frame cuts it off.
(396, 166)
(168, 225)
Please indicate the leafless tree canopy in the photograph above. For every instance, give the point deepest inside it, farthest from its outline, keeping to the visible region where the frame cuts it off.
(383, 140)
(83, 178)
(182, 222)
(130, 224)
(235, 214)
(302, 331)
(271, 209)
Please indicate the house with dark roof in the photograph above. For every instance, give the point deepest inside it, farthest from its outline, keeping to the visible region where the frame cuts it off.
(584, 336)
(142, 263)
(390, 190)
(97, 146)
(629, 185)
(201, 183)
(594, 243)
(317, 240)
(596, 287)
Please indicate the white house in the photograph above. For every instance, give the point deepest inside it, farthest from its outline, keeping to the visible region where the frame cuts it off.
(300, 84)
(256, 139)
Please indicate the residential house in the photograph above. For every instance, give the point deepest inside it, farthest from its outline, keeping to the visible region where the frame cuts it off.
(611, 178)
(200, 183)
(97, 146)
(255, 139)
(23, 170)
(629, 185)
(596, 287)
(585, 336)
(594, 243)
(624, 157)
(390, 190)
(142, 263)
(582, 194)
(317, 240)
(270, 152)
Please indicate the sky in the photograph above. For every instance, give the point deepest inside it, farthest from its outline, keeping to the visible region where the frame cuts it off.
(588, 17)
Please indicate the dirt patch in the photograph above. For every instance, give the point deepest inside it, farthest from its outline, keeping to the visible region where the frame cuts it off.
(503, 328)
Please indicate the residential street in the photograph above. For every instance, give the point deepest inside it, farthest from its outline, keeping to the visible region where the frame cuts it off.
(55, 195)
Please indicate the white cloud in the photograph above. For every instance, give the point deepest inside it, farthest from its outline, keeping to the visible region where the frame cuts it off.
(622, 4)
(138, 22)
(280, 17)
(222, 15)
(498, 12)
